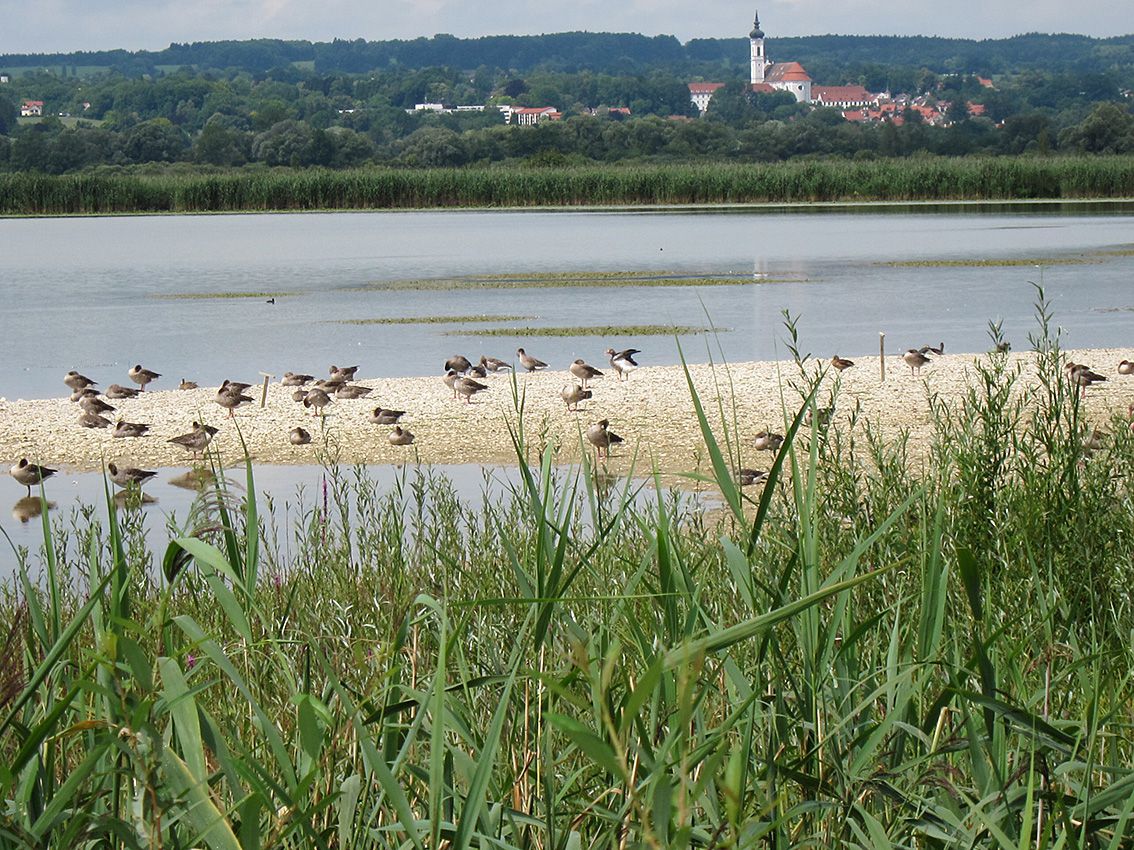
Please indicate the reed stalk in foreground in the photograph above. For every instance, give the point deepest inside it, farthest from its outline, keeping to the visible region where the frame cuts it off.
(863, 655)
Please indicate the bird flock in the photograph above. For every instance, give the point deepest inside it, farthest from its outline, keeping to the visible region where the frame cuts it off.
(463, 378)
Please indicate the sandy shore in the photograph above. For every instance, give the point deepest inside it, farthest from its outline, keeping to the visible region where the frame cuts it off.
(652, 411)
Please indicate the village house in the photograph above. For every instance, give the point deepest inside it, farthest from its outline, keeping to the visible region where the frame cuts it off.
(528, 116)
(31, 109)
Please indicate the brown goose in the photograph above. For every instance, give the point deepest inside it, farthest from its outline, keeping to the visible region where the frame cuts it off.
(584, 371)
(93, 420)
(230, 399)
(766, 441)
(602, 438)
(299, 395)
(30, 474)
(296, 379)
(299, 437)
(197, 440)
(915, 360)
(466, 388)
(400, 436)
(494, 364)
(822, 416)
(117, 391)
(141, 376)
(458, 363)
(623, 362)
(477, 371)
(746, 477)
(450, 380)
(350, 391)
(1082, 375)
(572, 395)
(343, 373)
(841, 363)
(1126, 367)
(330, 385)
(85, 392)
(528, 362)
(76, 381)
(187, 384)
(128, 476)
(317, 400)
(385, 416)
(129, 429)
(234, 386)
(929, 349)
(94, 404)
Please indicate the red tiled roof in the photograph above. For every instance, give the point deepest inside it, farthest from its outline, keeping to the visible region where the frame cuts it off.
(762, 88)
(856, 115)
(787, 72)
(33, 103)
(842, 94)
(704, 88)
(975, 108)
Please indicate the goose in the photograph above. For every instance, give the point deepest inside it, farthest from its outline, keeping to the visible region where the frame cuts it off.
(400, 436)
(915, 360)
(330, 385)
(477, 371)
(197, 440)
(123, 428)
(528, 362)
(141, 376)
(343, 373)
(602, 438)
(85, 392)
(1126, 367)
(458, 363)
(1002, 348)
(187, 385)
(94, 404)
(230, 399)
(1082, 375)
(127, 476)
(78, 382)
(822, 415)
(494, 364)
(29, 473)
(450, 380)
(929, 349)
(352, 391)
(467, 388)
(623, 362)
(299, 437)
(572, 394)
(89, 419)
(841, 363)
(766, 441)
(747, 477)
(317, 400)
(1095, 440)
(385, 416)
(234, 386)
(118, 392)
(299, 395)
(584, 372)
(296, 379)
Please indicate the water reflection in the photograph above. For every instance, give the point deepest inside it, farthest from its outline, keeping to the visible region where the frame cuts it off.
(28, 508)
(196, 478)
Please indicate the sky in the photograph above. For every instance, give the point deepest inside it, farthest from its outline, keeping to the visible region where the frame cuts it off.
(42, 26)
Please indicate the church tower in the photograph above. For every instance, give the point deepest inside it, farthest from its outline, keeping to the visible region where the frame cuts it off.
(759, 60)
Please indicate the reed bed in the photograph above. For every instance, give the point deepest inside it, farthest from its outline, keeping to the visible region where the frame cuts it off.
(859, 654)
(795, 181)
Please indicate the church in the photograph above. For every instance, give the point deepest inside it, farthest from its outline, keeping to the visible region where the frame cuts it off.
(767, 77)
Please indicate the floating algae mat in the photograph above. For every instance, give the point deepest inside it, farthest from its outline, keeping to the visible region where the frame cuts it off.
(548, 280)
(210, 296)
(433, 320)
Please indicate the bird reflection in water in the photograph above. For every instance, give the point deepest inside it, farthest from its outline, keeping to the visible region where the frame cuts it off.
(29, 507)
(197, 478)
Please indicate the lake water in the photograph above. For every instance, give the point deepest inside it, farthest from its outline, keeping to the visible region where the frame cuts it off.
(87, 293)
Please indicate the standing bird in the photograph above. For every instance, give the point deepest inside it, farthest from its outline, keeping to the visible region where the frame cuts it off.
(230, 398)
(141, 376)
(602, 438)
(458, 363)
(766, 441)
(29, 473)
(400, 436)
(494, 364)
(841, 363)
(76, 381)
(299, 437)
(197, 440)
(385, 416)
(129, 476)
(623, 362)
(317, 400)
(572, 394)
(915, 360)
(528, 362)
(584, 371)
(466, 388)
(118, 392)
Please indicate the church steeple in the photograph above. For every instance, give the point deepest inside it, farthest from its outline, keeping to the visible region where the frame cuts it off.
(759, 60)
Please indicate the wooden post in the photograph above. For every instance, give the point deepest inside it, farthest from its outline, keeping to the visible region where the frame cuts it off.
(882, 356)
(264, 392)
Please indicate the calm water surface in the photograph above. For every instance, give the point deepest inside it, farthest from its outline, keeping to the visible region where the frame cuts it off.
(87, 293)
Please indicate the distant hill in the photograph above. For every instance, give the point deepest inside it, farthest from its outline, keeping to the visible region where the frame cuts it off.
(610, 53)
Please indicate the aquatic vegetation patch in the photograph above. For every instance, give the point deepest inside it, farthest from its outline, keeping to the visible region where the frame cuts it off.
(564, 279)
(593, 330)
(990, 262)
(213, 296)
(433, 320)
